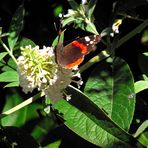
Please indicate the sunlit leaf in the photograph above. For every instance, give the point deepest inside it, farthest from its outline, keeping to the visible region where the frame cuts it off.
(141, 129)
(55, 144)
(111, 87)
(10, 65)
(2, 55)
(68, 21)
(16, 26)
(2, 63)
(144, 138)
(90, 27)
(12, 84)
(140, 86)
(58, 38)
(55, 42)
(12, 100)
(88, 121)
(21, 116)
(145, 54)
(9, 76)
(144, 38)
(145, 77)
(58, 10)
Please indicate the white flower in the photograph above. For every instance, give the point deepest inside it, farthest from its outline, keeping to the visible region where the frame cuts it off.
(83, 2)
(79, 83)
(68, 97)
(115, 27)
(70, 13)
(38, 69)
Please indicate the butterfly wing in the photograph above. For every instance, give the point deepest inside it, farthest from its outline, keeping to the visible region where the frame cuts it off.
(73, 54)
(68, 56)
(89, 42)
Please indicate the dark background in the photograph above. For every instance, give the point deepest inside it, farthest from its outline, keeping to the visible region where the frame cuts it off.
(39, 26)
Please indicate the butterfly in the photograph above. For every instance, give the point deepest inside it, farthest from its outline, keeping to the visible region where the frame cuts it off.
(73, 54)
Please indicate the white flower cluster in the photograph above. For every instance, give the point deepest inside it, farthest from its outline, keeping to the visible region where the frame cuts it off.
(37, 68)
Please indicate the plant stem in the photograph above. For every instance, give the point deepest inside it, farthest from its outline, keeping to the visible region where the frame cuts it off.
(9, 52)
(21, 105)
(105, 53)
(133, 33)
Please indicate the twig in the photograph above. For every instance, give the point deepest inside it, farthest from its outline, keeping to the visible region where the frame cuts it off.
(105, 53)
(21, 105)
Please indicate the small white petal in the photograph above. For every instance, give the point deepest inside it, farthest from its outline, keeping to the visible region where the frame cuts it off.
(84, 2)
(44, 80)
(47, 109)
(68, 97)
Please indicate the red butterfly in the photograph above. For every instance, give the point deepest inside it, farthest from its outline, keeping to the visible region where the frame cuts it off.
(73, 54)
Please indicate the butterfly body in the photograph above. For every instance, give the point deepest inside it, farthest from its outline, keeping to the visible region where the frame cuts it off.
(73, 54)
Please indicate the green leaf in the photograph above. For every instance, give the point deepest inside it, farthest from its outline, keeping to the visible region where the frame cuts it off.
(90, 27)
(74, 5)
(57, 39)
(4, 35)
(22, 116)
(141, 129)
(9, 76)
(68, 21)
(144, 138)
(55, 42)
(111, 87)
(55, 144)
(144, 38)
(140, 86)
(12, 100)
(57, 10)
(62, 36)
(25, 42)
(145, 54)
(2, 64)
(145, 77)
(10, 65)
(91, 7)
(43, 127)
(16, 26)
(2, 55)
(88, 121)
(12, 84)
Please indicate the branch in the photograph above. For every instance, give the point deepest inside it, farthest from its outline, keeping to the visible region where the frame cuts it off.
(21, 105)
